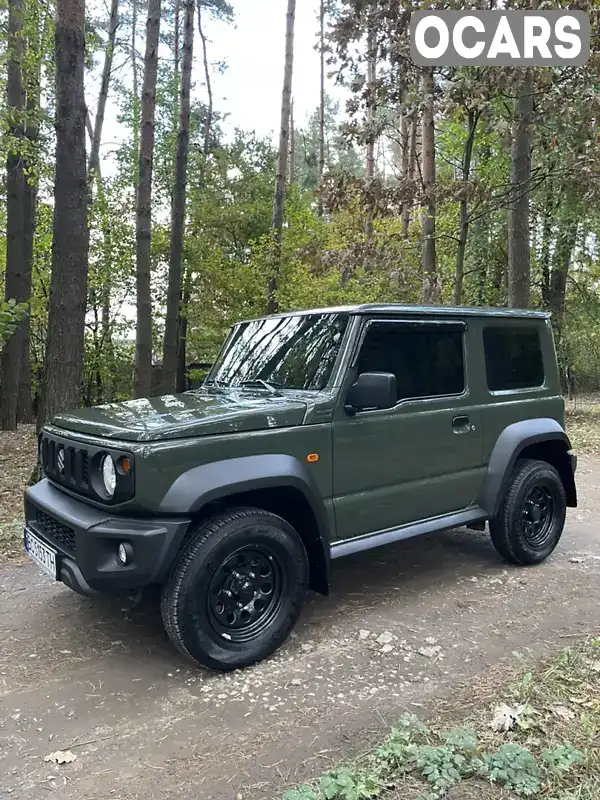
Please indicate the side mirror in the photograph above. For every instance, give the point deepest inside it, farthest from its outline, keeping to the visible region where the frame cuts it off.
(372, 390)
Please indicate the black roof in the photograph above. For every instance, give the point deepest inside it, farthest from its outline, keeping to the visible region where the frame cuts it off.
(398, 309)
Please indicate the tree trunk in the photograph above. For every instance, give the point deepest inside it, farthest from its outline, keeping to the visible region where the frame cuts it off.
(518, 210)
(106, 344)
(546, 234)
(282, 160)
(209, 109)
(25, 408)
(321, 102)
(431, 287)
(15, 278)
(404, 144)
(39, 30)
(177, 35)
(170, 348)
(68, 286)
(560, 270)
(135, 150)
(411, 165)
(459, 269)
(143, 339)
(371, 108)
(113, 24)
(292, 170)
(208, 120)
(182, 328)
(371, 101)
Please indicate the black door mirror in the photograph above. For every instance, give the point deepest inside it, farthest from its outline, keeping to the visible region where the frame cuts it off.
(372, 390)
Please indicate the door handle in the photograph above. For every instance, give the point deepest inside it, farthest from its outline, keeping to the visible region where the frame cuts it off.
(461, 424)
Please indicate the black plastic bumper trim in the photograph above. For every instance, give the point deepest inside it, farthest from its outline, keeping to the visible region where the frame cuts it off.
(94, 564)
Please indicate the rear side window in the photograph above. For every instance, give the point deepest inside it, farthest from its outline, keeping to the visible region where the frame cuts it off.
(513, 358)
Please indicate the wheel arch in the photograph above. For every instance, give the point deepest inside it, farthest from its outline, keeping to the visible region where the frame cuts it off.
(276, 483)
(541, 439)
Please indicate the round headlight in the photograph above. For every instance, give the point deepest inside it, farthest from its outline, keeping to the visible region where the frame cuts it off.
(109, 475)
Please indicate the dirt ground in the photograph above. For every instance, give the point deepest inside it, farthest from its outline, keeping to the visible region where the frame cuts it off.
(102, 679)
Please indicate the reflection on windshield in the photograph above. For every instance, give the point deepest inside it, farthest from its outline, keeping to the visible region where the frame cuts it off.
(287, 352)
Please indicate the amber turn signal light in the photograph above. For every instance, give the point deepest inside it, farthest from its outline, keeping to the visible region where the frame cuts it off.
(124, 465)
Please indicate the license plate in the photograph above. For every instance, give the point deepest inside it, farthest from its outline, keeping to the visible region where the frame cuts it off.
(44, 556)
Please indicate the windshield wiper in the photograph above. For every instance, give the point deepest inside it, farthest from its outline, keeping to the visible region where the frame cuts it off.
(261, 382)
(214, 382)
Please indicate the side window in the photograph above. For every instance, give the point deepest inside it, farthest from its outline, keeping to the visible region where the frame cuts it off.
(513, 358)
(427, 362)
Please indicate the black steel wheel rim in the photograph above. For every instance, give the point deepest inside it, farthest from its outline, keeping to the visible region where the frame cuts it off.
(538, 516)
(245, 593)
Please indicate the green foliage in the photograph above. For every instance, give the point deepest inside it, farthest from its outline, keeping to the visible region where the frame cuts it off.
(11, 314)
(441, 766)
(515, 768)
(347, 784)
(301, 793)
(442, 760)
(561, 758)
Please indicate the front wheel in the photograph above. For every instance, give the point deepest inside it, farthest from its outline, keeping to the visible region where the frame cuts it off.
(532, 514)
(236, 589)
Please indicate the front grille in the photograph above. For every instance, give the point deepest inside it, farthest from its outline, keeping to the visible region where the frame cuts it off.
(55, 530)
(75, 465)
(65, 463)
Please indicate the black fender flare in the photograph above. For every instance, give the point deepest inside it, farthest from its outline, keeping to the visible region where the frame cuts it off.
(511, 443)
(217, 481)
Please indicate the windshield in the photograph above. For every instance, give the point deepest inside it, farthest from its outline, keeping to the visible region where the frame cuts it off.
(296, 352)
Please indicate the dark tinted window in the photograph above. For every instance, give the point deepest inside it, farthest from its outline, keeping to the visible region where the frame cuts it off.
(296, 352)
(513, 358)
(427, 362)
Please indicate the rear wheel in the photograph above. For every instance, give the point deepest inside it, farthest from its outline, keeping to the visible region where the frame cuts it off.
(236, 589)
(532, 514)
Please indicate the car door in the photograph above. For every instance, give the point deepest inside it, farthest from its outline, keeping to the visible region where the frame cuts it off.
(423, 457)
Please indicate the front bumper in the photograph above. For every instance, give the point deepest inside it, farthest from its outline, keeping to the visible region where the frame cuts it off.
(87, 539)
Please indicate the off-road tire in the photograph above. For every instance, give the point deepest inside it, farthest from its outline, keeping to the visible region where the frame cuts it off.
(508, 529)
(188, 611)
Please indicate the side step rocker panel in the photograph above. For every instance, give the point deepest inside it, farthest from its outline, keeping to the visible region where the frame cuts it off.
(470, 516)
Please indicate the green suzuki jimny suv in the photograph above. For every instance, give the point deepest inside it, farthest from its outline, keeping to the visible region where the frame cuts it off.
(315, 435)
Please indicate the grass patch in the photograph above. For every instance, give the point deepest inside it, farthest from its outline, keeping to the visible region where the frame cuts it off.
(11, 538)
(551, 750)
(17, 458)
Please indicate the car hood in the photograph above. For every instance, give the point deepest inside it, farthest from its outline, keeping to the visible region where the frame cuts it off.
(184, 415)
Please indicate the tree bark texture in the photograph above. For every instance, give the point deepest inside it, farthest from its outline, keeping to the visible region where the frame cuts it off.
(178, 206)
(518, 211)
(321, 101)
(431, 286)
(463, 231)
(143, 339)
(201, 180)
(411, 165)
(371, 109)
(282, 160)
(15, 280)
(68, 285)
